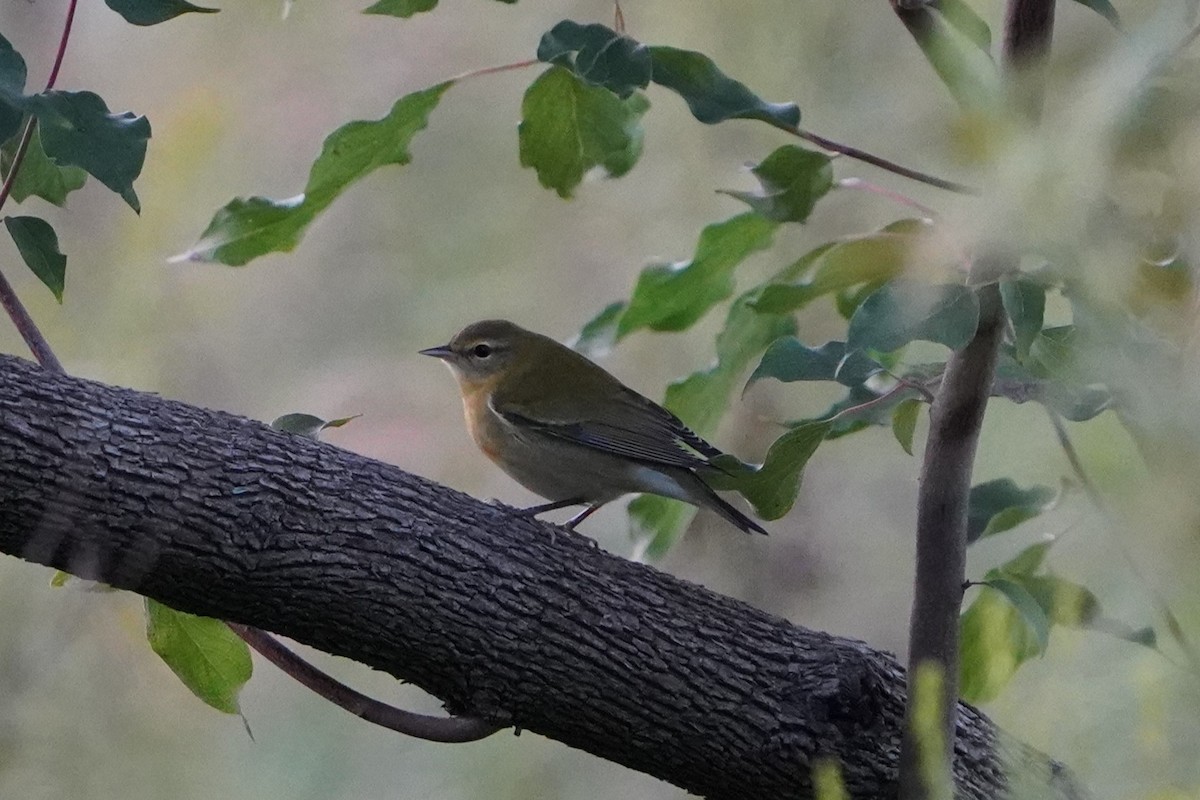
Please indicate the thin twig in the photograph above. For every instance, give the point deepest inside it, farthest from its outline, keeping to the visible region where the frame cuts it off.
(882, 163)
(476, 73)
(618, 17)
(448, 730)
(25, 326)
(882, 191)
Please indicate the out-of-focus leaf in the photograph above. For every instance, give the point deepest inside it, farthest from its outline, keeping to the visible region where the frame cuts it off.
(1073, 401)
(599, 334)
(204, 653)
(711, 95)
(598, 55)
(307, 424)
(1104, 9)
(1025, 302)
(772, 487)
(864, 407)
(847, 301)
(994, 642)
(954, 53)
(836, 266)
(401, 8)
(1028, 560)
(78, 130)
(12, 86)
(789, 359)
(152, 12)
(60, 578)
(247, 228)
(672, 297)
(964, 19)
(38, 245)
(793, 180)
(903, 311)
(1000, 505)
(568, 127)
(659, 521)
(904, 423)
(1031, 612)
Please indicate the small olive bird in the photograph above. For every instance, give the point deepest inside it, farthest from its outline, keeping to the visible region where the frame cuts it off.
(569, 431)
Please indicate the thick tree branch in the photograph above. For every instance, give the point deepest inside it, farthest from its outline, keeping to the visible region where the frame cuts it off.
(221, 516)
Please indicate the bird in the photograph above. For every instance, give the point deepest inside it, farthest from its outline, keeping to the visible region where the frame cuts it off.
(569, 431)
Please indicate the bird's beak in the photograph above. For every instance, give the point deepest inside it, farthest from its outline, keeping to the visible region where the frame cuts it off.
(441, 351)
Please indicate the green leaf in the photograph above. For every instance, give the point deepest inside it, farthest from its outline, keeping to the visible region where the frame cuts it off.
(952, 49)
(1025, 302)
(1029, 609)
(793, 180)
(38, 245)
(904, 423)
(247, 228)
(152, 12)
(1104, 9)
(1028, 561)
(39, 176)
(712, 96)
(307, 424)
(772, 487)
(700, 400)
(78, 130)
(60, 579)
(964, 19)
(672, 297)
(568, 128)
(12, 85)
(1000, 505)
(836, 266)
(204, 653)
(598, 55)
(863, 408)
(1073, 401)
(401, 8)
(903, 311)
(995, 640)
(789, 359)
(599, 334)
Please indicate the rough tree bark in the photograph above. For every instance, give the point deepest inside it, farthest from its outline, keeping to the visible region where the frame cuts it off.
(221, 516)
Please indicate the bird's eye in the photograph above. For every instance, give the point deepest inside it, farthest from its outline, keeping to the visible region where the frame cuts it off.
(481, 350)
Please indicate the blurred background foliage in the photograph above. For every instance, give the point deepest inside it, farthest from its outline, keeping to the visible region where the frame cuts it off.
(240, 103)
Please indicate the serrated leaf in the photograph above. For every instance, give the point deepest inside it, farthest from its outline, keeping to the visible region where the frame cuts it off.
(840, 265)
(38, 245)
(569, 127)
(672, 297)
(12, 85)
(307, 424)
(152, 12)
(39, 176)
(904, 311)
(1104, 9)
(1000, 505)
(789, 359)
(711, 95)
(967, 70)
(598, 55)
(401, 8)
(1025, 303)
(247, 228)
(904, 423)
(1030, 610)
(994, 642)
(204, 653)
(77, 129)
(793, 180)
(599, 334)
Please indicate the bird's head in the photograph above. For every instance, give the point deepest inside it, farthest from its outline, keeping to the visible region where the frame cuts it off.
(483, 351)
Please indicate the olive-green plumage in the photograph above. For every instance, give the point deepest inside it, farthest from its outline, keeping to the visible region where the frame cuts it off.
(566, 429)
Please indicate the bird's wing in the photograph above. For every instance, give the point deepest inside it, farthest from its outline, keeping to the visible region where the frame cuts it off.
(638, 428)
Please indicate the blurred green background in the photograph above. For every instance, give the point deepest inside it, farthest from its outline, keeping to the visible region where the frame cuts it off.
(240, 102)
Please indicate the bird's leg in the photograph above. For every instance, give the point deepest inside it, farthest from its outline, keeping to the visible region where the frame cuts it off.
(533, 511)
(581, 516)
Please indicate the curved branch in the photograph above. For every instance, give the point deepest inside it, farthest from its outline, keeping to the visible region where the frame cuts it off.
(223, 517)
(449, 730)
(882, 163)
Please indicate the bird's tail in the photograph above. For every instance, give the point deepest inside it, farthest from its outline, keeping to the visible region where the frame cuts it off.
(710, 499)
